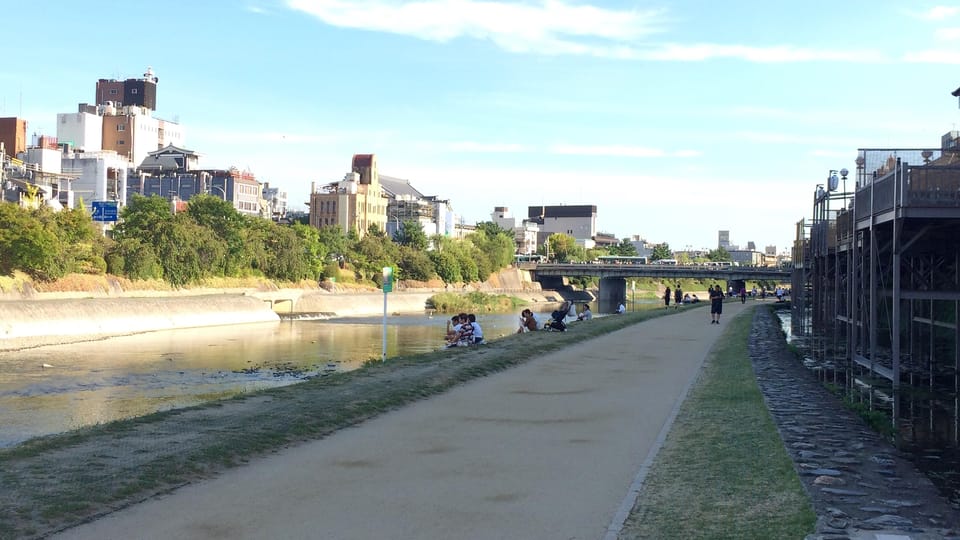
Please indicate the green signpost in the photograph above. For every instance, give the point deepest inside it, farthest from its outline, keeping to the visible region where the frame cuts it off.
(387, 287)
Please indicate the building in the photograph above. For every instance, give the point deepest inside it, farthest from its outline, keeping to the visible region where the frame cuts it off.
(133, 132)
(134, 92)
(13, 135)
(643, 247)
(578, 221)
(605, 240)
(747, 257)
(273, 203)
(97, 176)
(82, 130)
(404, 203)
(524, 232)
(723, 240)
(120, 120)
(355, 203)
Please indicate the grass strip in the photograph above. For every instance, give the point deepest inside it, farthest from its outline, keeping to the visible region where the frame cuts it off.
(723, 471)
(54, 482)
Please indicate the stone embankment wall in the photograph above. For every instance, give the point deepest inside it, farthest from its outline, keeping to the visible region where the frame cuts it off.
(37, 322)
(47, 318)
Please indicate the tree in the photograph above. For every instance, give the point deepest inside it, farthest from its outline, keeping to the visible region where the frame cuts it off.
(625, 248)
(189, 252)
(27, 245)
(492, 229)
(411, 234)
(447, 265)
(661, 251)
(314, 248)
(415, 264)
(562, 247)
(719, 254)
(143, 218)
(494, 251)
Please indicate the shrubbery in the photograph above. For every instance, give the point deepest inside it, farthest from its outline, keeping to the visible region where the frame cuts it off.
(211, 239)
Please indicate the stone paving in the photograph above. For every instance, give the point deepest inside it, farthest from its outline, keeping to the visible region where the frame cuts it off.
(860, 485)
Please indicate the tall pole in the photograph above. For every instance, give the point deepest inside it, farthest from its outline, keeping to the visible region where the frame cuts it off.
(383, 356)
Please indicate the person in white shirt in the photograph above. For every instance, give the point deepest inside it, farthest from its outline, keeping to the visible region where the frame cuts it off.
(477, 332)
(621, 308)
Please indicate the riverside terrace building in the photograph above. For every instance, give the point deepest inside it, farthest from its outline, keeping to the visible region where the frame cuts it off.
(876, 286)
(578, 221)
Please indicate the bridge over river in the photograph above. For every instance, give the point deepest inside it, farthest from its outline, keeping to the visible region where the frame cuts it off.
(613, 277)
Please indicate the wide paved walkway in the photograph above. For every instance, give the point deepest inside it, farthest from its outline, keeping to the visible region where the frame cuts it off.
(548, 449)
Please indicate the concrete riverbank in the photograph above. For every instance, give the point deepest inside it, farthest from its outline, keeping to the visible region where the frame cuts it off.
(58, 319)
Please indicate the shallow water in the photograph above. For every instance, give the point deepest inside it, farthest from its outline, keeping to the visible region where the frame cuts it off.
(123, 377)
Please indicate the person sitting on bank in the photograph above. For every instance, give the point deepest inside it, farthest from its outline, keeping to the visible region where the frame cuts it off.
(453, 326)
(585, 315)
(528, 322)
(477, 331)
(464, 334)
(621, 308)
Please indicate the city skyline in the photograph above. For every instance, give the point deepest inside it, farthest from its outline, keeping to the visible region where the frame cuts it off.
(676, 119)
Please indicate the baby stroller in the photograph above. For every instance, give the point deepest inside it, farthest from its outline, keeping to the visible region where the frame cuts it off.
(556, 319)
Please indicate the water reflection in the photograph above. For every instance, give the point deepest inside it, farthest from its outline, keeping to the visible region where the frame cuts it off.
(129, 376)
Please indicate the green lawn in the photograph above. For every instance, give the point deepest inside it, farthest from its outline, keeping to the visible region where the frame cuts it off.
(723, 471)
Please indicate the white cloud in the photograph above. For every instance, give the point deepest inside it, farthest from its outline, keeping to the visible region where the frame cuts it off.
(609, 150)
(486, 148)
(256, 9)
(550, 27)
(618, 151)
(775, 54)
(938, 13)
(947, 34)
(933, 56)
(524, 27)
(842, 154)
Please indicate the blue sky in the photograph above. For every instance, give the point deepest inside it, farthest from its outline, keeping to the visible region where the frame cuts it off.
(675, 118)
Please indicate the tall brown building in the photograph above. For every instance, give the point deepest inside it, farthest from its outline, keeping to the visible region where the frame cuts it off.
(355, 203)
(131, 92)
(13, 135)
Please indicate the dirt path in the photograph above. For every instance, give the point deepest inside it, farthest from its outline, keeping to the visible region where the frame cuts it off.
(547, 449)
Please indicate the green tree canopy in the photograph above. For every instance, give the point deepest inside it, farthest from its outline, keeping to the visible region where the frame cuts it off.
(562, 247)
(720, 254)
(625, 248)
(661, 251)
(411, 234)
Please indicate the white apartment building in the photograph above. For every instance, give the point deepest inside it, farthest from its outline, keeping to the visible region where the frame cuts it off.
(97, 176)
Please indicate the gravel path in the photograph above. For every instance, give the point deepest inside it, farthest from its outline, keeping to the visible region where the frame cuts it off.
(860, 485)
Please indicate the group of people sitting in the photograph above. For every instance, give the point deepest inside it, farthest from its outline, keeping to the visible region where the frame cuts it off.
(463, 329)
(530, 322)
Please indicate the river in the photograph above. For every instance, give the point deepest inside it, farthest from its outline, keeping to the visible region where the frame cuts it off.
(53, 389)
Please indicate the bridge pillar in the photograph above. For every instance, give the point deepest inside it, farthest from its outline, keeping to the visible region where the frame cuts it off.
(612, 292)
(737, 284)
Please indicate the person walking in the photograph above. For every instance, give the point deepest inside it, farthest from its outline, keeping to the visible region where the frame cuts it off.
(716, 304)
(666, 298)
(743, 295)
(677, 297)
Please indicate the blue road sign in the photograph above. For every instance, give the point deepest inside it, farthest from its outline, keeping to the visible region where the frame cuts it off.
(105, 211)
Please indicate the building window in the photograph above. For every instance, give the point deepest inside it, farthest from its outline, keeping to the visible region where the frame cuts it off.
(121, 141)
(121, 127)
(113, 91)
(133, 90)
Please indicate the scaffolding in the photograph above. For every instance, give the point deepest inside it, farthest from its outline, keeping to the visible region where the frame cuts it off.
(877, 289)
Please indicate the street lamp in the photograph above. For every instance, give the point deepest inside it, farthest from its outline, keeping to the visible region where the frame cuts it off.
(222, 192)
(833, 182)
